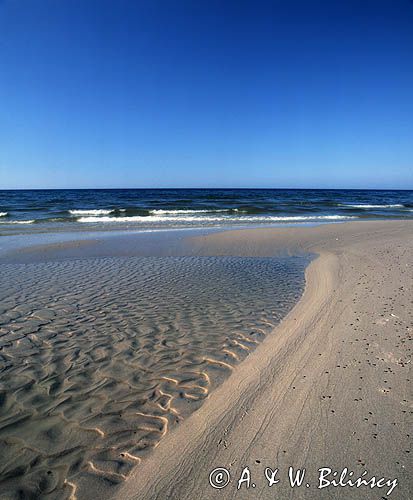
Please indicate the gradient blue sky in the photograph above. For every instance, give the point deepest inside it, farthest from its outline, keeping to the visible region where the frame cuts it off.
(206, 94)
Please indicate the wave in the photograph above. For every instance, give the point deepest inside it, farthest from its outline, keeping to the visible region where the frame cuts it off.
(17, 222)
(3, 214)
(143, 212)
(223, 218)
(184, 211)
(95, 212)
(130, 212)
(396, 205)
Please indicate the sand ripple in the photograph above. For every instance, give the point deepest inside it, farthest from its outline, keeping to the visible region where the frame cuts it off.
(100, 357)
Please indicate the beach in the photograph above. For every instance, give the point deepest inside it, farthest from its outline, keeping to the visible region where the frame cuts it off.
(206, 250)
(321, 381)
(330, 388)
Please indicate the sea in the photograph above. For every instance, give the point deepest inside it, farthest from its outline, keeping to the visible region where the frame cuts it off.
(24, 211)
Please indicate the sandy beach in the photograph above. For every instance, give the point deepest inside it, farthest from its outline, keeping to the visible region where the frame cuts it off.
(116, 384)
(331, 387)
(206, 250)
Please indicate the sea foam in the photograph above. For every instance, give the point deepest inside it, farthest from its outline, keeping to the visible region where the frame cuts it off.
(99, 211)
(397, 205)
(184, 211)
(17, 222)
(207, 218)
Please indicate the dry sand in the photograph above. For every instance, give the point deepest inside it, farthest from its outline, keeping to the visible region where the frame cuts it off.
(330, 388)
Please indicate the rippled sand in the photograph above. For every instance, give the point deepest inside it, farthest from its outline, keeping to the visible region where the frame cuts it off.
(100, 357)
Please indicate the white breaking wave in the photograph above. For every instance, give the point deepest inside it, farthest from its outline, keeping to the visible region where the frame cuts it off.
(183, 211)
(99, 211)
(3, 214)
(222, 218)
(17, 222)
(398, 205)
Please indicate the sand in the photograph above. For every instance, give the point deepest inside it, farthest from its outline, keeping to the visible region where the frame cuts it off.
(100, 357)
(328, 386)
(331, 387)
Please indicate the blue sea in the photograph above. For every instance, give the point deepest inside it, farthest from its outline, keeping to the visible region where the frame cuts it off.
(47, 210)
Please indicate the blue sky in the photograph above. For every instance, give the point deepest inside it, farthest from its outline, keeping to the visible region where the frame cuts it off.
(206, 94)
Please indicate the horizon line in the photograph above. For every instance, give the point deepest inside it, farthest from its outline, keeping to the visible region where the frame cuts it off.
(207, 188)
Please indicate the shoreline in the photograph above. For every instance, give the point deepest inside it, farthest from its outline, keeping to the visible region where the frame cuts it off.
(311, 395)
(327, 387)
(35, 247)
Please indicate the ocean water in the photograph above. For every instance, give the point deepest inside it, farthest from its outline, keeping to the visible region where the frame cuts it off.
(48, 210)
(101, 357)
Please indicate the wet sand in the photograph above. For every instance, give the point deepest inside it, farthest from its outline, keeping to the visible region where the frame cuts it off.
(101, 357)
(331, 387)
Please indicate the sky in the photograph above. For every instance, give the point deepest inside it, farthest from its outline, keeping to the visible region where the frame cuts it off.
(206, 94)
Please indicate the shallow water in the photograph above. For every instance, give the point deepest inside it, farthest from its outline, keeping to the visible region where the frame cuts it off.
(100, 357)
